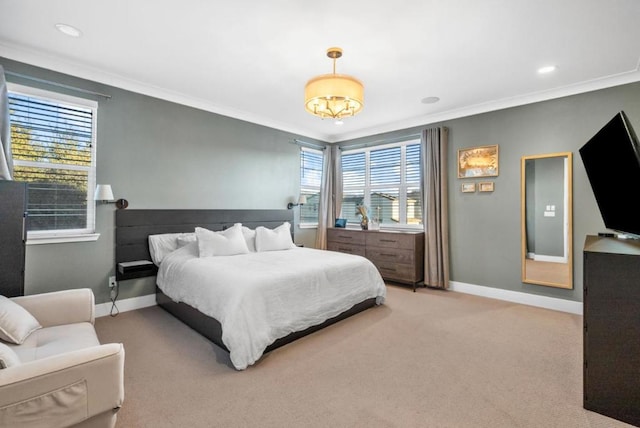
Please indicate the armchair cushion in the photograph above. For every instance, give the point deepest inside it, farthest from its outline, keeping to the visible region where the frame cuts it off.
(50, 341)
(8, 358)
(16, 323)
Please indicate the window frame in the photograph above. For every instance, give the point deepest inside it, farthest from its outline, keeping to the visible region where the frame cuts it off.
(307, 190)
(65, 235)
(402, 187)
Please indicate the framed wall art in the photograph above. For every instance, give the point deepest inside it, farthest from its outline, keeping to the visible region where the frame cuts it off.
(468, 187)
(485, 186)
(479, 161)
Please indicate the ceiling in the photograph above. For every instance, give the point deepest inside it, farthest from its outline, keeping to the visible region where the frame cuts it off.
(250, 59)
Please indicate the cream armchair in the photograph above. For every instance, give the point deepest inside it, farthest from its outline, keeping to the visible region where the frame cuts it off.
(64, 376)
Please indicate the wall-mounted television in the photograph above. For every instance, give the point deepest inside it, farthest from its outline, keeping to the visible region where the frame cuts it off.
(612, 161)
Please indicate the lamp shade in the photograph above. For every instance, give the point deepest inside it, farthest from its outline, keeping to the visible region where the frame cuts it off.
(302, 200)
(334, 95)
(103, 193)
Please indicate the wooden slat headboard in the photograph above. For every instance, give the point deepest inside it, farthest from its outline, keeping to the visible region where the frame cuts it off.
(133, 228)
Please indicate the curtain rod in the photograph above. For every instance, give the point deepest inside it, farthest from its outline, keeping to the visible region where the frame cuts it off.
(380, 142)
(308, 145)
(60, 85)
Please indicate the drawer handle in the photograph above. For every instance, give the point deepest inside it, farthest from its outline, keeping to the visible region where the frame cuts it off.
(345, 249)
(345, 236)
(389, 269)
(388, 240)
(388, 255)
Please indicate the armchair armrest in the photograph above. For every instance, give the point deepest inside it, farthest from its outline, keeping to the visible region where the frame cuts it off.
(64, 389)
(60, 307)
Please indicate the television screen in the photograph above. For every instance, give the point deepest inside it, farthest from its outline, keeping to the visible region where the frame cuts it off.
(612, 161)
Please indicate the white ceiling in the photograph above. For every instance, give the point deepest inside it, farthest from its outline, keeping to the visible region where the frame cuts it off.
(250, 59)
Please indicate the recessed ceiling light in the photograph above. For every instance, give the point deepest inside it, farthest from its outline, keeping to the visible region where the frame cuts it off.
(69, 30)
(430, 100)
(547, 69)
(339, 122)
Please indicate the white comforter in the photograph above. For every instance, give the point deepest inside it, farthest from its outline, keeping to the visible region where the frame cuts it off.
(260, 297)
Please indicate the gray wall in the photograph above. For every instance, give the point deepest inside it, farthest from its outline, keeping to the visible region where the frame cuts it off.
(158, 154)
(485, 227)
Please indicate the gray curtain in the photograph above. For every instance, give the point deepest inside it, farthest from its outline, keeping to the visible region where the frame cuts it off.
(435, 209)
(330, 194)
(6, 162)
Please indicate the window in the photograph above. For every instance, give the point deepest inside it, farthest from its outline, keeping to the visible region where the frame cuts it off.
(387, 180)
(310, 180)
(53, 148)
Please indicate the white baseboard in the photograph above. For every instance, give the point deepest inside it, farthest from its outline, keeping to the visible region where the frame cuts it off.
(104, 309)
(553, 303)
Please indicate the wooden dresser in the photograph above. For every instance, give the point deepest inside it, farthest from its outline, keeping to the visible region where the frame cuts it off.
(399, 256)
(611, 299)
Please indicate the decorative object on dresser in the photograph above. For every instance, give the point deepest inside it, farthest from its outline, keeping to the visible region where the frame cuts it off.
(363, 212)
(399, 256)
(612, 327)
(13, 235)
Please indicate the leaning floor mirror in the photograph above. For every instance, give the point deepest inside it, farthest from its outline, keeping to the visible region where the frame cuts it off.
(546, 215)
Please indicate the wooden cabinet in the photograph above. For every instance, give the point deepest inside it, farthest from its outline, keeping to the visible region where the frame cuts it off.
(13, 209)
(611, 299)
(399, 256)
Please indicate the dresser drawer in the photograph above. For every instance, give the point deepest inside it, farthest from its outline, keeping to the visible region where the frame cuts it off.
(346, 236)
(398, 256)
(391, 240)
(391, 255)
(397, 272)
(346, 248)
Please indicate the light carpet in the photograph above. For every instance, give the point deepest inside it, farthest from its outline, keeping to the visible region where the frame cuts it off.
(426, 359)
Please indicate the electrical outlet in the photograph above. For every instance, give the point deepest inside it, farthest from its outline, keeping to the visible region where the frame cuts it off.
(112, 281)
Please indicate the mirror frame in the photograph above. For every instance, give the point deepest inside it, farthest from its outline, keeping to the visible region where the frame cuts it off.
(523, 218)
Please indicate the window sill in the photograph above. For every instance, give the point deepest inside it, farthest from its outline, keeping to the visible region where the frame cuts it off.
(308, 226)
(86, 237)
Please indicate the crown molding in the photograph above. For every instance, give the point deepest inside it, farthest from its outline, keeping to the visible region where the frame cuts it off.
(57, 64)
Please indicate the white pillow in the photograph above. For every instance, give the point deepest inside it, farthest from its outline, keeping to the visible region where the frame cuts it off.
(226, 243)
(162, 244)
(16, 323)
(185, 239)
(276, 239)
(8, 358)
(250, 238)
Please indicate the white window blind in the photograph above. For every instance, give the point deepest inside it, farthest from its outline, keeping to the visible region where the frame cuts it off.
(387, 180)
(53, 149)
(310, 182)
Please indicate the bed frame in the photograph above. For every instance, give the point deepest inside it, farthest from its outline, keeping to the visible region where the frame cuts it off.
(133, 228)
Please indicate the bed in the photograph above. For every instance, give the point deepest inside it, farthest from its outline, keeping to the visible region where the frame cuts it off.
(250, 302)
